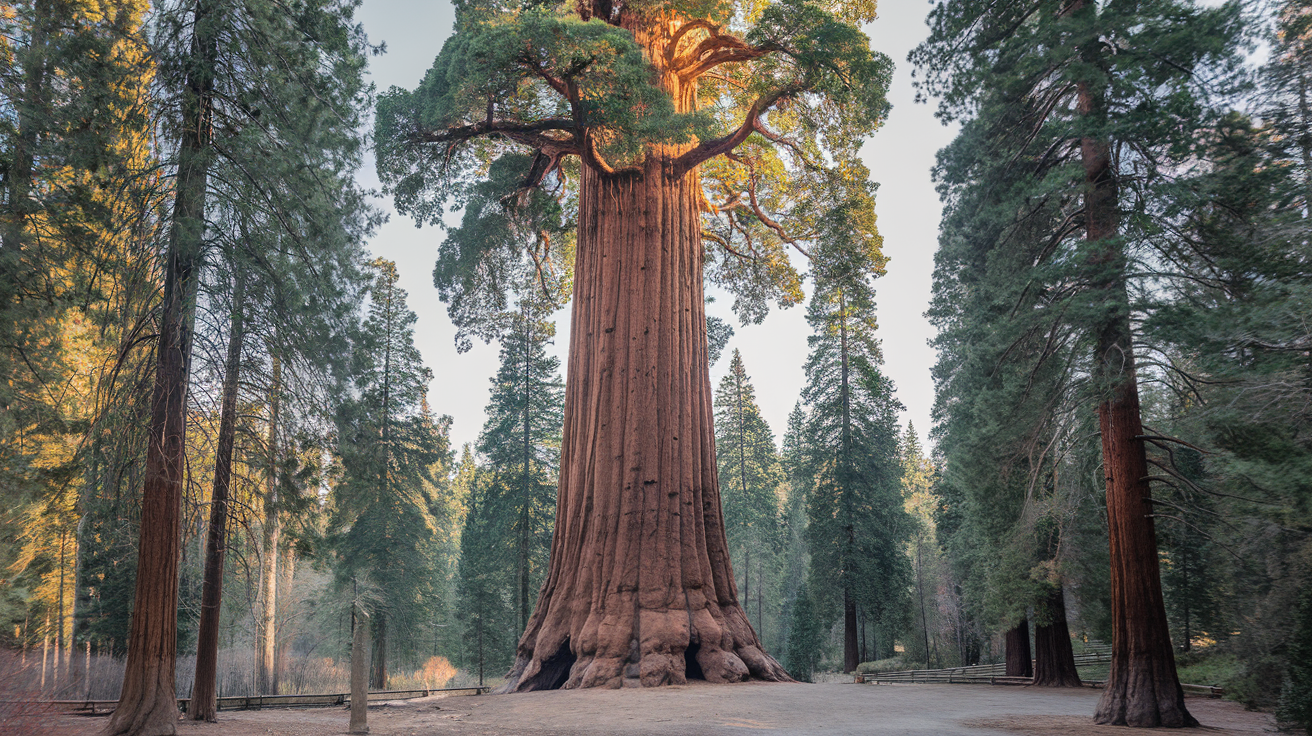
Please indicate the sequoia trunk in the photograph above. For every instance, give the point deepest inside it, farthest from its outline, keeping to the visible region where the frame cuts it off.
(1054, 662)
(1142, 688)
(1019, 661)
(639, 590)
(204, 694)
(147, 702)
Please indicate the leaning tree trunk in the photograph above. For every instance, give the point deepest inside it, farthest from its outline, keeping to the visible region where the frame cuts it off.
(204, 693)
(639, 590)
(147, 702)
(1054, 661)
(1019, 662)
(1142, 688)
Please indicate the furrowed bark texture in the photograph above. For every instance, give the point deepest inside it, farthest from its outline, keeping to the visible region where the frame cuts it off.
(1054, 661)
(1019, 662)
(148, 704)
(639, 591)
(204, 694)
(1142, 688)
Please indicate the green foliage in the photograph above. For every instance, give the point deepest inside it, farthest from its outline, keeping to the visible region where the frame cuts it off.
(523, 95)
(750, 477)
(393, 455)
(858, 527)
(806, 632)
(1295, 706)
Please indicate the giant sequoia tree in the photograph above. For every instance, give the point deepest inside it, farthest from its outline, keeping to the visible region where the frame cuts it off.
(1105, 101)
(647, 115)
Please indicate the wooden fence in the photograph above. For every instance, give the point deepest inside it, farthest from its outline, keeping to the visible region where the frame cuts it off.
(256, 702)
(996, 674)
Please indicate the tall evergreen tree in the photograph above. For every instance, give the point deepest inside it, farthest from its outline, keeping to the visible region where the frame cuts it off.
(858, 527)
(750, 476)
(1076, 96)
(521, 442)
(383, 525)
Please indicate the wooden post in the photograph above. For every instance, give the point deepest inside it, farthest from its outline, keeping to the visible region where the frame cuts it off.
(359, 674)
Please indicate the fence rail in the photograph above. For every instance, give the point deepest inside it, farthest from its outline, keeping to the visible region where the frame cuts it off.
(257, 702)
(996, 674)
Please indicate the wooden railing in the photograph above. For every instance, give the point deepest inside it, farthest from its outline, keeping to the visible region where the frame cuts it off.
(996, 674)
(256, 702)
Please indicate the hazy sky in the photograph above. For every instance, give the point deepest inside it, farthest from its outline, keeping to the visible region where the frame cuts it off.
(899, 156)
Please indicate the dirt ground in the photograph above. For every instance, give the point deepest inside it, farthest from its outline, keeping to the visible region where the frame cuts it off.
(803, 709)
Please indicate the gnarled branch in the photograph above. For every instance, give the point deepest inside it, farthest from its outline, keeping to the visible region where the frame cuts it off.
(751, 122)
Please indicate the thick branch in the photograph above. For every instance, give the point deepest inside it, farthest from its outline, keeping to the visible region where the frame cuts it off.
(752, 122)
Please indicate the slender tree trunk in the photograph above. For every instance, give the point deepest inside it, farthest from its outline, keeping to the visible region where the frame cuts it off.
(204, 693)
(526, 465)
(1142, 688)
(287, 573)
(1019, 661)
(45, 652)
(640, 588)
(920, 593)
(1054, 663)
(267, 633)
(378, 673)
(851, 653)
(359, 671)
(148, 702)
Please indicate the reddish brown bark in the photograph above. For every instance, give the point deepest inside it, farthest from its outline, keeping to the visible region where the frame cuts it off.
(1142, 688)
(204, 693)
(639, 590)
(851, 645)
(1054, 660)
(147, 702)
(1019, 661)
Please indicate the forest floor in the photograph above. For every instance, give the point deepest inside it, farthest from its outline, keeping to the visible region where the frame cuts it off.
(803, 709)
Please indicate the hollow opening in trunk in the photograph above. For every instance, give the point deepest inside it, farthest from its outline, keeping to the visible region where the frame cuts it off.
(691, 669)
(555, 670)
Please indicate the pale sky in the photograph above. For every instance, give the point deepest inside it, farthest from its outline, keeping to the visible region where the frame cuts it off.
(899, 156)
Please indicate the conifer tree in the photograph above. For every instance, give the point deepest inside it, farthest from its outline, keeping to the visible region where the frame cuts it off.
(858, 527)
(383, 526)
(628, 112)
(750, 475)
(1061, 89)
(521, 442)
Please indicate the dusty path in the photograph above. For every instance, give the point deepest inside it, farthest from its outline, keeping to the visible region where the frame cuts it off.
(713, 710)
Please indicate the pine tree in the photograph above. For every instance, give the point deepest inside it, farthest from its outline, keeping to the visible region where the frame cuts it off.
(750, 475)
(383, 525)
